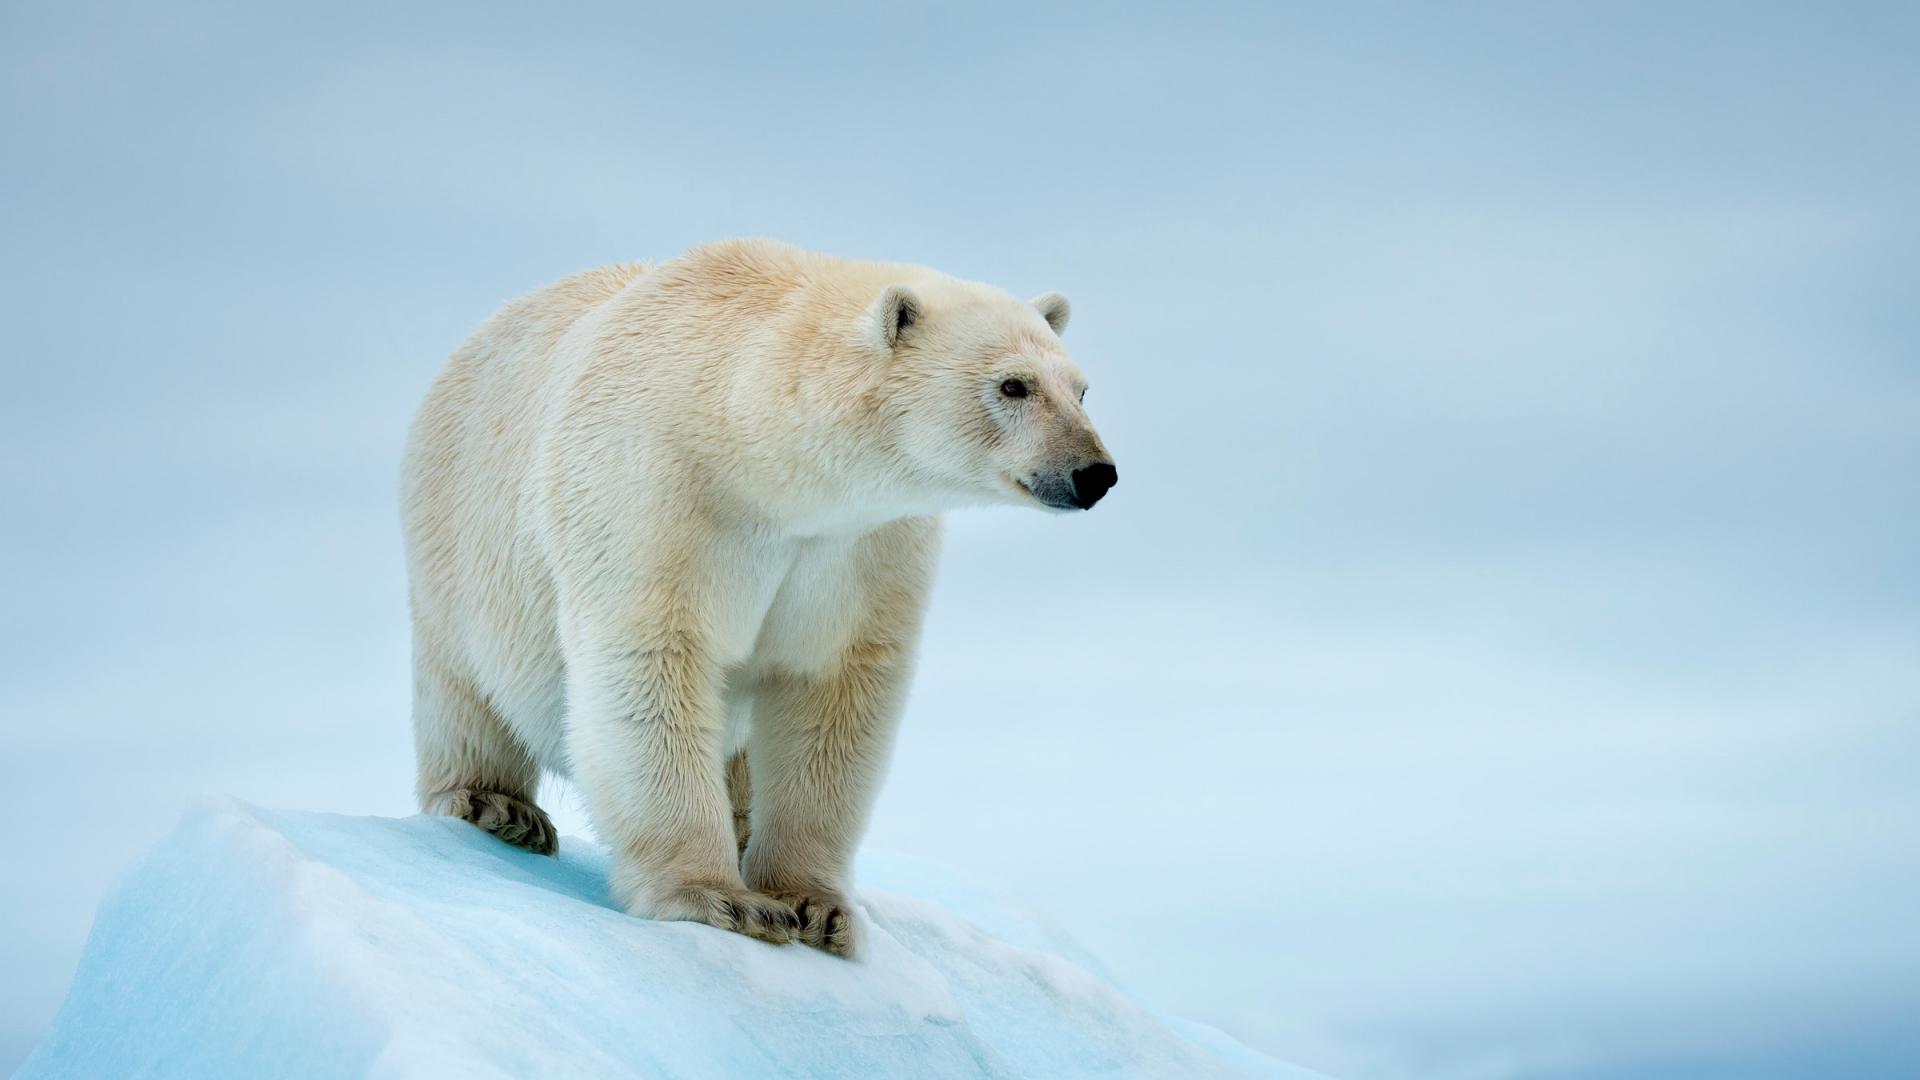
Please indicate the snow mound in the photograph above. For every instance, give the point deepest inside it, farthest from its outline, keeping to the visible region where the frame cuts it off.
(255, 943)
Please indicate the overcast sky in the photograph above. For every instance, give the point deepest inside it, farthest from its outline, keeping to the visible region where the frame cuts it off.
(1501, 657)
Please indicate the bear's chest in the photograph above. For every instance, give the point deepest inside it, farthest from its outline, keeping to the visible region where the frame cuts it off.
(804, 612)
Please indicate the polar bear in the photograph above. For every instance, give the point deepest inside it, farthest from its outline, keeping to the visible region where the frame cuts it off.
(670, 533)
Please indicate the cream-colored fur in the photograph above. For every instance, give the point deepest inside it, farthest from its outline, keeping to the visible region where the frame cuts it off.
(660, 516)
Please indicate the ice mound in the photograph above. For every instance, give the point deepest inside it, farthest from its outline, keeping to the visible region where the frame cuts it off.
(255, 943)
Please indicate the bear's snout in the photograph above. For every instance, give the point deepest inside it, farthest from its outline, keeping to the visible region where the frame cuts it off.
(1073, 489)
(1093, 481)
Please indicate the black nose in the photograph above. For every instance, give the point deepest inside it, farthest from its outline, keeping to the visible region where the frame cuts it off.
(1092, 482)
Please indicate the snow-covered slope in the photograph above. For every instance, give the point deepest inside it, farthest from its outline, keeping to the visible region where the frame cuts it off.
(254, 943)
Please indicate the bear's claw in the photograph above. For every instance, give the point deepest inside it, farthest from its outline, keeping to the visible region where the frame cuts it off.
(742, 911)
(826, 920)
(515, 821)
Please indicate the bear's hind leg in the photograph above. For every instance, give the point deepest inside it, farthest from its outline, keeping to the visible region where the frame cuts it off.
(740, 794)
(471, 766)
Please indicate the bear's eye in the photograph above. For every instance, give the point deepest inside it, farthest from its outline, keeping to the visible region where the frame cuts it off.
(1014, 388)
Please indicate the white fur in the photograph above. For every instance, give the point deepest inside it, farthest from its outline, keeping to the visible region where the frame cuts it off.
(1054, 308)
(657, 515)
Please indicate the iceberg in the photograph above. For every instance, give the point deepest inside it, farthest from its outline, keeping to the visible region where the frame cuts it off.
(254, 943)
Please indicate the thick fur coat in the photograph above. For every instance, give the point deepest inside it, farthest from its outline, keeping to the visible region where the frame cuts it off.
(671, 532)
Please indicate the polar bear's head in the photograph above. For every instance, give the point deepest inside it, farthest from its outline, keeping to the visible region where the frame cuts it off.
(989, 405)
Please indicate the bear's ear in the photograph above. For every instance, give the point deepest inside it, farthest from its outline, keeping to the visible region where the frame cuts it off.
(1054, 308)
(896, 310)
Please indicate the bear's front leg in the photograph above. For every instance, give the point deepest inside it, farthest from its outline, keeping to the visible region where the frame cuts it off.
(818, 752)
(644, 732)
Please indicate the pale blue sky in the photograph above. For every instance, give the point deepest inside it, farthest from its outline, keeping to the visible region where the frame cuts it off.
(1502, 655)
